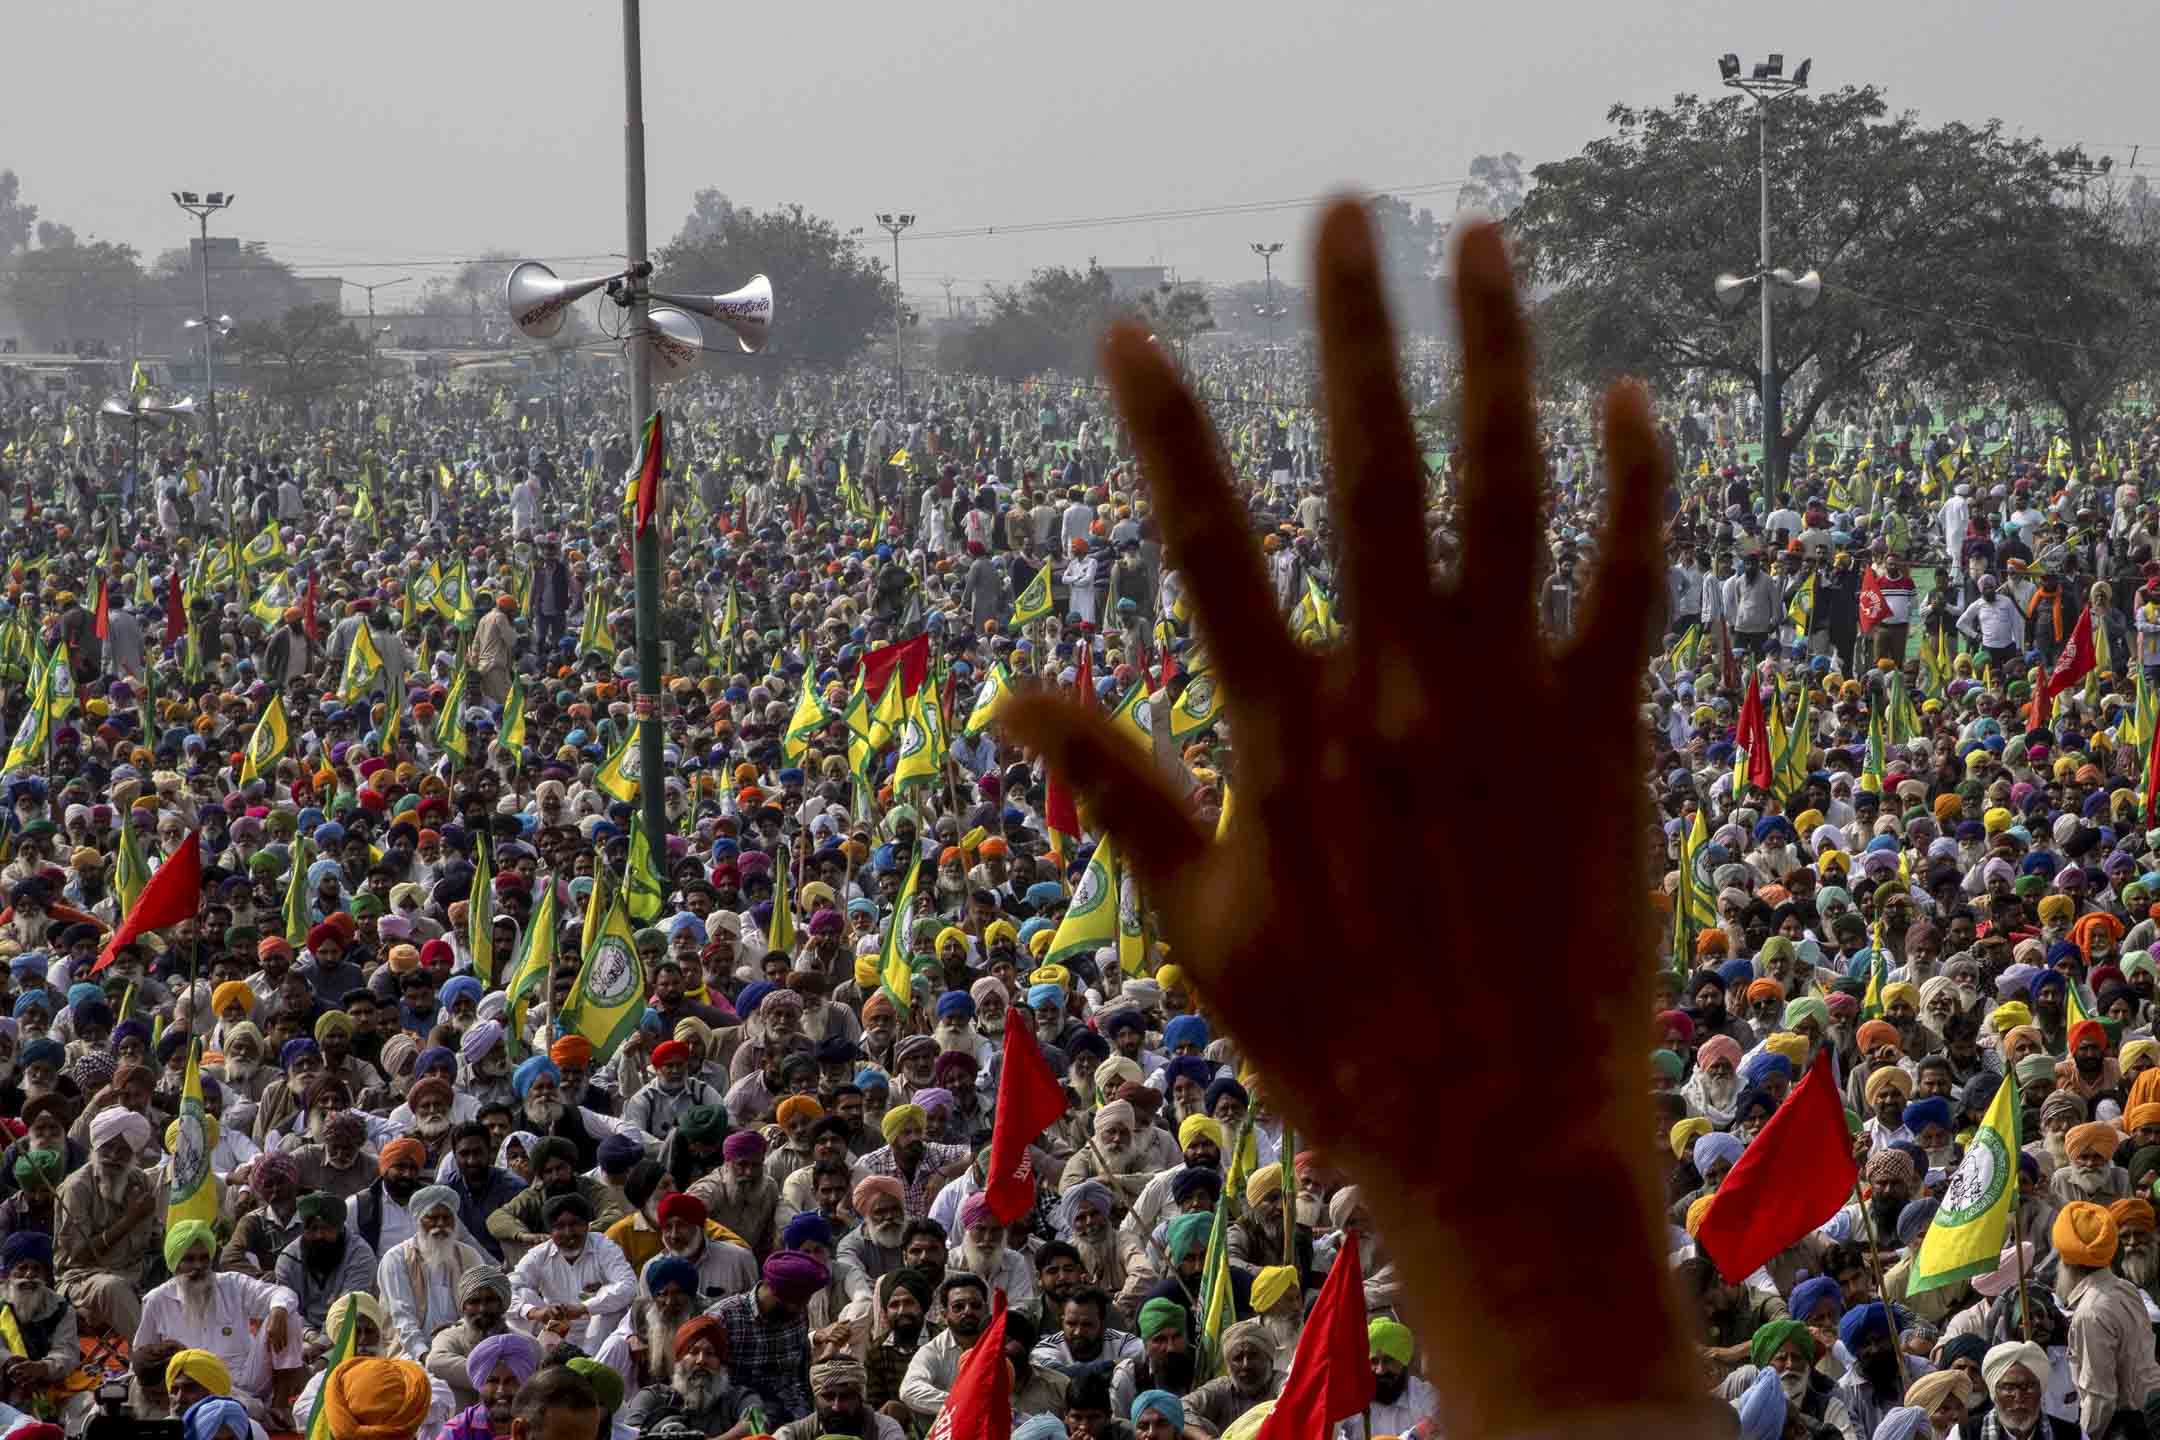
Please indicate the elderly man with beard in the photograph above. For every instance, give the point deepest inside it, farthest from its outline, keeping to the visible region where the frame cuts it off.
(2092, 1174)
(202, 1309)
(1084, 1342)
(577, 1282)
(688, 1234)
(335, 1161)
(641, 1347)
(1715, 1085)
(107, 1235)
(873, 1247)
(2111, 1337)
(374, 1337)
(485, 1076)
(1255, 1241)
(1201, 1141)
(697, 1392)
(1787, 1348)
(1111, 1157)
(43, 1319)
(431, 1107)
(419, 1275)
(538, 1083)
(1113, 1260)
(839, 1392)
(273, 1182)
(1252, 1379)
(2137, 1246)
(1166, 1360)
(483, 1301)
(672, 1092)
(2016, 1374)
(740, 1195)
(1875, 1385)
(982, 1252)
(326, 1260)
(491, 1375)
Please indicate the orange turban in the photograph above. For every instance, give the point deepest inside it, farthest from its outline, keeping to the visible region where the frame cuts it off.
(402, 1148)
(1877, 1033)
(2095, 1137)
(571, 1050)
(1765, 989)
(369, 1398)
(2084, 1235)
(1712, 942)
(2133, 1214)
(2137, 1117)
(801, 1105)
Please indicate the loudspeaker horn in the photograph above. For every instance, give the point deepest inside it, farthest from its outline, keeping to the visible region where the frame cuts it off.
(677, 343)
(117, 409)
(537, 299)
(748, 311)
(181, 407)
(1730, 290)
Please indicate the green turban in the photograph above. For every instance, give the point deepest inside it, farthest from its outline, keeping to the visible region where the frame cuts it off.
(607, 1386)
(1667, 1064)
(38, 1166)
(1774, 1337)
(1159, 1315)
(1188, 1235)
(1391, 1338)
(2034, 1068)
(318, 1206)
(703, 1124)
(185, 1236)
(1806, 1007)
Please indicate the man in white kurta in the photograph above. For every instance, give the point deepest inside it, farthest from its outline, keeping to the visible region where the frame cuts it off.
(202, 1308)
(577, 1280)
(418, 1276)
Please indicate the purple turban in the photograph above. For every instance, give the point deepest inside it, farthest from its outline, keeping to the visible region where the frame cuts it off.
(794, 1277)
(743, 1145)
(520, 1352)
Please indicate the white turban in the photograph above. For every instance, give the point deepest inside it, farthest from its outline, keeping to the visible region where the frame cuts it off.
(1117, 1112)
(1343, 1204)
(119, 1120)
(2014, 1352)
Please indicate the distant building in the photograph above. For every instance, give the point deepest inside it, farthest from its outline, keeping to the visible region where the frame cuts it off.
(321, 289)
(1127, 281)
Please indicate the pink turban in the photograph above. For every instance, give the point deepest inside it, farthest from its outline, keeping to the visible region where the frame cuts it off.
(1718, 1047)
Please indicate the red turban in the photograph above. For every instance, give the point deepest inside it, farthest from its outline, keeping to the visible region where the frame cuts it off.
(706, 1328)
(667, 1052)
(682, 1205)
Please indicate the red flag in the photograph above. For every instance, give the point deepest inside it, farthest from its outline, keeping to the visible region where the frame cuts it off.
(1872, 605)
(910, 659)
(1029, 1101)
(1059, 811)
(101, 623)
(307, 610)
(175, 612)
(1331, 1374)
(2077, 658)
(1752, 734)
(1792, 1177)
(649, 470)
(2152, 780)
(174, 894)
(979, 1405)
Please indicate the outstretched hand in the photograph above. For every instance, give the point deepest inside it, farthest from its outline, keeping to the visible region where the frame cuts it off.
(1427, 926)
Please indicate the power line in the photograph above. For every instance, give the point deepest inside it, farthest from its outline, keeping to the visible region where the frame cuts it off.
(1202, 212)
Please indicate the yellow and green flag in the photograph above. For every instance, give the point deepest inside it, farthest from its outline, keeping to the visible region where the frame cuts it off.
(618, 774)
(895, 975)
(450, 722)
(809, 718)
(1035, 601)
(641, 877)
(297, 917)
(480, 914)
(193, 1194)
(996, 690)
(1966, 1236)
(780, 934)
(534, 958)
(609, 994)
(363, 662)
(513, 721)
(1197, 708)
(1091, 918)
(268, 545)
(341, 1351)
(272, 738)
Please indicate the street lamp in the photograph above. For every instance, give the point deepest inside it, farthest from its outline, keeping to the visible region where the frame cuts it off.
(1269, 312)
(202, 207)
(896, 224)
(372, 331)
(1766, 85)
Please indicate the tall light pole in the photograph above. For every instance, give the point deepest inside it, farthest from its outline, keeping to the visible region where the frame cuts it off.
(1767, 85)
(636, 287)
(202, 207)
(372, 332)
(1269, 312)
(896, 224)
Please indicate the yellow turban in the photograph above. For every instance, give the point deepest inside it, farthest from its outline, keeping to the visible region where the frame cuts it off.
(204, 1368)
(1270, 1285)
(2131, 1050)
(1171, 977)
(900, 1115)
(2085, 1235)
(1039, 942)
(1265, 1181)
(2056, 907)
(1996, 819)
(369, 1398)
(2007, 1017)
(1889, 1077)
(693, 1032)
(1056, 975)
(998, 930)
(232, 992)
(185, 1236)
(1830, 860)
(1910, 994)
(1195, 1126)
(371, 1309)
(866, 971)
(1684, 1135)
(333, 1022)
(1792, 1047)
(1696, 1211)
(1807, 821)
(950, 932)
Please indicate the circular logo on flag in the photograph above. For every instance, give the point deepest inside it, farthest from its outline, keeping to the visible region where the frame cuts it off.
(191, 1162)
(1199, 696)
(1129, 906)
(1143, 714)
(1979, 1182)
(264, 750)
(911, 740)
(1091, 892)
(633, 760)
(613, 972)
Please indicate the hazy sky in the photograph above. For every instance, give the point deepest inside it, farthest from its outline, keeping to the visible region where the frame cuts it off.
(407, 133)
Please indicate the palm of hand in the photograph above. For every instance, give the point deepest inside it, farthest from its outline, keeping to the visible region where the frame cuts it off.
(1438, 828)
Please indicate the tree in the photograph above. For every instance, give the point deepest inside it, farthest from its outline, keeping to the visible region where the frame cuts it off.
(307, 352)
(69, 294)
(1049, 323)
(1412, 246)
(1496, 186)
(1898, 217)
(18, 221)
(834, 296)
(1176, 313)
(471, 288)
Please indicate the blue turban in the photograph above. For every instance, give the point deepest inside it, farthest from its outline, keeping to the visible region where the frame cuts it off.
(82, 991)
(1188, 1067)
(214, 1414)
(1045, 996)
(531, 1069)
(1861, 1322)
(435, 1057)
(297, 1049)
(1733, 972)
(752, 996)
(1163, 1403)
(467, 986)
(1185, 1030)
(1914, 1219)
(1934, 1110)
(1906, 1422)
(27, 1245)
(1716, 1146)
(1810, 1293)
(1044, 893)
(686, 923)
(2048, 977)
(618, 1153)
(520, 1352)
(1762, 1065)
(33, 1000)
(1030, 928)
(44, 1048)
(807, 1225)
(955, 1005)
(90, 1013)
(665, 1270)
(1762, 1408)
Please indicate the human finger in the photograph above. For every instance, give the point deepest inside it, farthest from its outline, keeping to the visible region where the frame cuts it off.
(1613, 644)
(1503, 478)
(1204, 524)
(1379, 479)
(1125, 794)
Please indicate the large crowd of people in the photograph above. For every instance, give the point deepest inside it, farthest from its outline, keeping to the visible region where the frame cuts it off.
(371, 663)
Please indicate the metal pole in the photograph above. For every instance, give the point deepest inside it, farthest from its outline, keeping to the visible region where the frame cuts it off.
(899, 372)
(651, 793)
(217, 447)
(1773, 421)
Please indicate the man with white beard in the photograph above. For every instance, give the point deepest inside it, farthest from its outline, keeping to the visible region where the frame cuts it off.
(1777, 850)
(1715, 1085)
(641, 1348)
(1112, 1157)
(430, 1113)
(577, 1280)
(201, 1308)
(672, 1092)
(43, 1318)
(105, 1238)
(873, 1248)
(483, 1300)
(2137, 1247)
(2092, 1173)
(723, 1268)
(699, 1392)
(538, 1083)
(982, 1252)
(418, 1276)
(1115, 1261)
